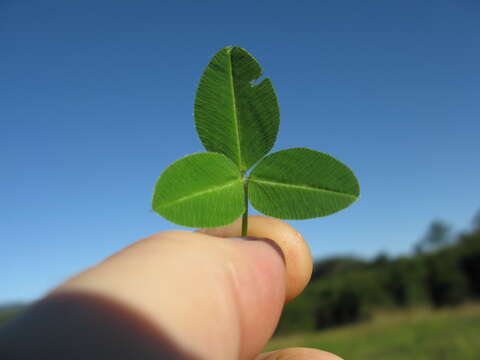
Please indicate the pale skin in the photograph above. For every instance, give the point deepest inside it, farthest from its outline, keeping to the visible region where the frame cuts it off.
(174, 295)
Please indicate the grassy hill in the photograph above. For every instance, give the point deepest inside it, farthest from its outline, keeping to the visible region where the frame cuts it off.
(8, 312)
(415, 335)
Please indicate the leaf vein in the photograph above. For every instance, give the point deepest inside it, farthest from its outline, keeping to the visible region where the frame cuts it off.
(235, 114)
(303, 187)
(200, 193)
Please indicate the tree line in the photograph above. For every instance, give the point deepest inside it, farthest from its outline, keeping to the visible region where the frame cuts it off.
(443, 270)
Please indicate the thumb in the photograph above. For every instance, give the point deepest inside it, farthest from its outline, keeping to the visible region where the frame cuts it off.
(295, 251)
(215, 298)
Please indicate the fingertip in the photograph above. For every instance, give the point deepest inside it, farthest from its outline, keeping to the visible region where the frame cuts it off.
(296, 253)
(298, 353)
(298, 258)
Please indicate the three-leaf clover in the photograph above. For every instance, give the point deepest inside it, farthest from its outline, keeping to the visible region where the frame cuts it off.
(237, 121)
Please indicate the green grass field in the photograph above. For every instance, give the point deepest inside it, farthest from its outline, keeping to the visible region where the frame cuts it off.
(8, 314)
(452, 334)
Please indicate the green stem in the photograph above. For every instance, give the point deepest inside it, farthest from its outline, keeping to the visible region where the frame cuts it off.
(245, 214)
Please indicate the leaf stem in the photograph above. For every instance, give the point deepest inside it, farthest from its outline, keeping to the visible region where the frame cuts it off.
(245, 214)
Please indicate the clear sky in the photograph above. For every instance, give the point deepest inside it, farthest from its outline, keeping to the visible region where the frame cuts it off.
(96, 99)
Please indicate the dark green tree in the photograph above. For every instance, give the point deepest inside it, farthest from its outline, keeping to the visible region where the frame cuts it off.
(476, 222)
(445, 280)
(437, 236)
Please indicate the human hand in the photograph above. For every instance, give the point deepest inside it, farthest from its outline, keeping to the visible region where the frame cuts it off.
(174, 295)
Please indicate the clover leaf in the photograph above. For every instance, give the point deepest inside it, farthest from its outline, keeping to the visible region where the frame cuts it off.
(237, 121)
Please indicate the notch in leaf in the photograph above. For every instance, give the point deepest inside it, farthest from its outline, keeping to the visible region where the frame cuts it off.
(232, 115)
(237, 121)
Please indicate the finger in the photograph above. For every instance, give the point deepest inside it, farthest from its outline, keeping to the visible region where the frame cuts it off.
(298, 259)
(217, 298)
(298, 354)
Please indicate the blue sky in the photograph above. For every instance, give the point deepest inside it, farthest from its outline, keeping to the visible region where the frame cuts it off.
(97, 99)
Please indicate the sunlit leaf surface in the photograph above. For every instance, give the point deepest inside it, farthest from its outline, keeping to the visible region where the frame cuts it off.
(237, 120)
(301, 183)
(200, 190)
(233, 115)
